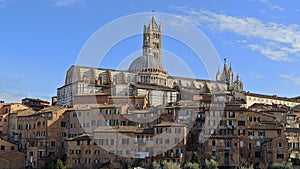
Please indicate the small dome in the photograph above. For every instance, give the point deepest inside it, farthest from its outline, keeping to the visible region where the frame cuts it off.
(145, 62)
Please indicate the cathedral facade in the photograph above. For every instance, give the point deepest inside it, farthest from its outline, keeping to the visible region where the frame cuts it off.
(145, 77)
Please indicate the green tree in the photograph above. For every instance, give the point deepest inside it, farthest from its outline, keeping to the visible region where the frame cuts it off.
(211, 164)
(155, 165)
(195, 159)
(191, 166)
(170, 165)
(281, 166)
(250, 167)
(60, 165)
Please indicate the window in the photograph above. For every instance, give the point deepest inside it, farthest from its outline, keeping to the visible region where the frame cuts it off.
(223, 114)
(222, 131)
(228, 144)
(223, 122)
(2, 147)
(170, 111)
(79, 114)
(241, 143)
(177, 130)
(96, 161)
(97, 152)
(88, 152)
(112, 141)
(168, 130)
(241, 123)
(107, 122)
(290, 117)
(125, 141)
(257, 154)
(158, 140)
(280, 156)
(63, 124)
(211, 122)
(74, 114)
(250, 118)
(211, 114)
(108, 111)
(241, 132)
(258, 144)
(93, 122)
(176, 140)
(87, 161)
(88, 113)
(78, 142)
(127, 152)
(279, 145)
(116, 122)
(88, 142)
(212, 131)
(213, 155)
(213, 143)
(256, 119)
(77, 161)
(99, 122)
(250, 133)
(138, 115)
(159, 130)
(71, 151)
(77, 151)
(52, 143)
(232, 114)
(261, 134)
(117, 111)
(167, 141)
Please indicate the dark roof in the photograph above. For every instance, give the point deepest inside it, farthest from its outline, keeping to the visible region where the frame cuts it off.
(260, 126)
(293, 130)
(153, 87)
(80, 137)
(271, 97)
(37, 99)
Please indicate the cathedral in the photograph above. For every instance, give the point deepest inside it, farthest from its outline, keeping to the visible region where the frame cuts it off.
(145, 77)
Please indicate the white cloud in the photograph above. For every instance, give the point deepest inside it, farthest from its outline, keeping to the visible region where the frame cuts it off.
(3, 3)
(10, 97)
(256, 76)
(295, 80)
(277, 7)
(66, 3)
(13, 97)
(279, 42)
(273, 7)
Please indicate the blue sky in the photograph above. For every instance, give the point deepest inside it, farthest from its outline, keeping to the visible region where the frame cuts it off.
(40, 40)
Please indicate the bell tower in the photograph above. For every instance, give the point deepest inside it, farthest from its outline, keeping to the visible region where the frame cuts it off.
(152, 39)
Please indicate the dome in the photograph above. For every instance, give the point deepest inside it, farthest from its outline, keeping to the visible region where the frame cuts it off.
(145, 62)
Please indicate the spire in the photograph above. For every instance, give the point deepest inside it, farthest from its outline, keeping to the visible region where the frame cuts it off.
(160, 26)
(238, 78)
(145, 27)
(218, 76)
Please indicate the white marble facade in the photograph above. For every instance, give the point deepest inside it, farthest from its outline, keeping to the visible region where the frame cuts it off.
(145, 77)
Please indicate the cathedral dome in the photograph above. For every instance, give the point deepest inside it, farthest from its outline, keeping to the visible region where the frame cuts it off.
(145, 62)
